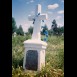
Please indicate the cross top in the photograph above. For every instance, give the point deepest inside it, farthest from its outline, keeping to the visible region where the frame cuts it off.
(38, 10)
(37, 22)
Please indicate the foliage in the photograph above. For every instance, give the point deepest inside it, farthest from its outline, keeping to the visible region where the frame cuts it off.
(54, 27)
(14, 28)
(45, 72)
(55, 51)
(54, 58)
(20, 31)
(18, 49)
(30, 30)
(60, 30)
(50, 32)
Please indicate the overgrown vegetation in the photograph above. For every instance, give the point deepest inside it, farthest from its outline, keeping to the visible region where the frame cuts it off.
(54, 58)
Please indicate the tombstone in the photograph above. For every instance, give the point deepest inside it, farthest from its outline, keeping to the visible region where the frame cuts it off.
(34, 55)
(15, 34)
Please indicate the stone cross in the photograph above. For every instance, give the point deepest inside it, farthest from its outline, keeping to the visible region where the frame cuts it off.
(34, 55)
(37, 22)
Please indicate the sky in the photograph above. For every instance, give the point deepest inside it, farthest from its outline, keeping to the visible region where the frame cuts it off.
(21, 9)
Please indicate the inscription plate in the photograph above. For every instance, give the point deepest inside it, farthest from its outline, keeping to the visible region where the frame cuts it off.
(31, 60)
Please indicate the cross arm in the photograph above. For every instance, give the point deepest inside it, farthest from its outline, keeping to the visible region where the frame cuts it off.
(43, 17)
(31, 17)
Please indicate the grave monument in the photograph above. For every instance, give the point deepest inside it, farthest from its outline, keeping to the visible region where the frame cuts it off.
(34, 54)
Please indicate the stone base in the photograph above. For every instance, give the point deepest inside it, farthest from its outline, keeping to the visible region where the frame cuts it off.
(34, 56)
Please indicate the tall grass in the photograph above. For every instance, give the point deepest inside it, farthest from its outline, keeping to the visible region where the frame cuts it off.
(54, 58)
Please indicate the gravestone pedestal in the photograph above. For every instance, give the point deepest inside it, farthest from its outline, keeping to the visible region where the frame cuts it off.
(34, 56)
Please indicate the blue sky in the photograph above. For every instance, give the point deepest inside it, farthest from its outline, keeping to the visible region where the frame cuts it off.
(22, 8)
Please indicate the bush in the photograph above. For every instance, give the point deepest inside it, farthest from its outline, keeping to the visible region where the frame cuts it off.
(18, 49)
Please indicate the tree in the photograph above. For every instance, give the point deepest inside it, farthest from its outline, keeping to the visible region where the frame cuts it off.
(50, 32)
(20, 30)
(54, 27)
(60, 30)
(14, 28)
(30, 30)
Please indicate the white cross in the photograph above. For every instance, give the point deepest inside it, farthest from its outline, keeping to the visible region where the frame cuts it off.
(37, 23)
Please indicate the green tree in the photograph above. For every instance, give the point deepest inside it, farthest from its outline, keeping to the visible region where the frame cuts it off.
(60, 30)
(50, 32)
(14, 27)
(30, 30)
(20, 30)
(54, 27)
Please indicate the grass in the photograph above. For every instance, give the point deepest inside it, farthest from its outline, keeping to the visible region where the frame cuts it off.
(54, 58)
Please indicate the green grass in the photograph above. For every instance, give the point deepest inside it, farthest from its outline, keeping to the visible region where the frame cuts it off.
(54, 58)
